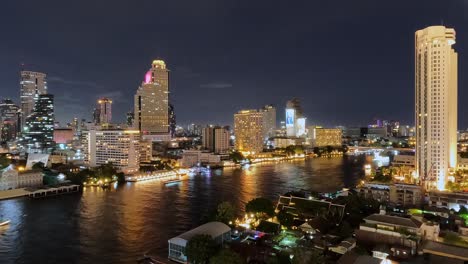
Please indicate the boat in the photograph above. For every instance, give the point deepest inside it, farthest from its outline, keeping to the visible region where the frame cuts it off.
(173, 181)
(4, 223)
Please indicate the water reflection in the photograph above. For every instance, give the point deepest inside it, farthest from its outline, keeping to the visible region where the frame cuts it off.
(120, 224)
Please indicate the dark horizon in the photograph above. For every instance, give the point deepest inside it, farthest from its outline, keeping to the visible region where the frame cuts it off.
(347, 65)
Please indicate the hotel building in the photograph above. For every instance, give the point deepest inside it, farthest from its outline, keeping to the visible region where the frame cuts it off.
(248, 130)
(435, 105)
(119, 147)
(152, 103)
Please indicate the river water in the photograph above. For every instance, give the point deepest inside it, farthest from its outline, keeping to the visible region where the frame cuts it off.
(121, 224)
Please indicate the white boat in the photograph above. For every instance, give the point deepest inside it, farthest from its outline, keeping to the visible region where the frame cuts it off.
(4, 223)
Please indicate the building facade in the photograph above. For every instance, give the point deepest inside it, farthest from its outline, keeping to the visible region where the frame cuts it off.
(103, 112)
(151, 101)
(248, 130)
(221, 140)
(38, 132)
(32, 85)
(121, 148)
(435, 105)
(322, 137)
(269, 121)
(9, 120)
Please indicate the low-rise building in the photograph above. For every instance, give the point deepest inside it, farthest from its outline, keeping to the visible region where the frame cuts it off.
(121, 148)
(191, 158)
(403, 160)
(394, 231)
(344, 246)
(448, 200)
(398, 193)
(217, 230)
(322, 137)
(8, 178)
(11, 179)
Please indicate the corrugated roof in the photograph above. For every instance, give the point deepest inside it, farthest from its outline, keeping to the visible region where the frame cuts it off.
(212, 229)
(394, 220)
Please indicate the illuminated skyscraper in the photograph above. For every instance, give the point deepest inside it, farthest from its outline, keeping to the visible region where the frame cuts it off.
(9, 118)
(32, 85)
(269, 120)
(103, 112)
(172, 120)
(38, 133)
(151, 102)
(435, 105)
(248, 130)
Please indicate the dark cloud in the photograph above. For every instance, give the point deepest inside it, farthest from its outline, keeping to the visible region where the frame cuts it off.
(216, 85)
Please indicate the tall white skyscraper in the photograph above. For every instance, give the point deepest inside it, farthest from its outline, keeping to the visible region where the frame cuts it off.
(152, 102)
(435, 105)
(32, 85)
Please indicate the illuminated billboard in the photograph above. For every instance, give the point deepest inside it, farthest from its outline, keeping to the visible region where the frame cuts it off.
(300, 127)
(290, 117)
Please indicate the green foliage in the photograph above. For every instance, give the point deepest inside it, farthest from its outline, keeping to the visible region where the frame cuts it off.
(227, 256)
(225, 212)
(200, 248)
(105, 171)
(463, 210)
(307, 256)
(80, 177)
(38, 166)
(285, 218)
(453, 186)
(4, 161)
(120, 177)
(236, 156)
(455, 239)
(260, 206)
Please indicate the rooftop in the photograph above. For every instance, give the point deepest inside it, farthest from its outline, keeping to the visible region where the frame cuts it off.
(440, 249)
(394, 220)
(212, 229)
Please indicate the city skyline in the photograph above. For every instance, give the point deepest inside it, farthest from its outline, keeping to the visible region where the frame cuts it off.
(285, 60)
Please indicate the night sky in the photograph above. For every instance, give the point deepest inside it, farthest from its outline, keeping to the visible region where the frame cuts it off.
(348, 61)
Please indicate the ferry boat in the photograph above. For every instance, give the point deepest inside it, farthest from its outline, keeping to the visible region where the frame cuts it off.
(4, 223)
(173, 181)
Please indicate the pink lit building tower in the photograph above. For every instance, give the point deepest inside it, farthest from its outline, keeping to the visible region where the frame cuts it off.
(152, 103)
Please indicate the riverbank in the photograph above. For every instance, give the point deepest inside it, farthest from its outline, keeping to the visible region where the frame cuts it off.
(15, 193)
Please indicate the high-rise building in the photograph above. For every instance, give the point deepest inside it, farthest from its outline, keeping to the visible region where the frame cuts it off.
(32, 85)
(269, 120)
(248, 131)
(221, 139)
(38, 133)
(103, 111)
(208, 138)
(194, 130)
(216, 138)
(120, 148)
(130, 117)
(172, 121)
(9, 120)
(151, 102)
(294, 113)
(435, 105)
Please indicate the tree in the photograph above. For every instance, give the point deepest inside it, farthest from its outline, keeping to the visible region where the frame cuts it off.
(260, 205)
(227, 256)
(120, 177)
(463, 210)
(38, 166)
(4, 161)
(225, 212)
(285, 218)
(305, 256)
(236, 156)
(200, 248)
